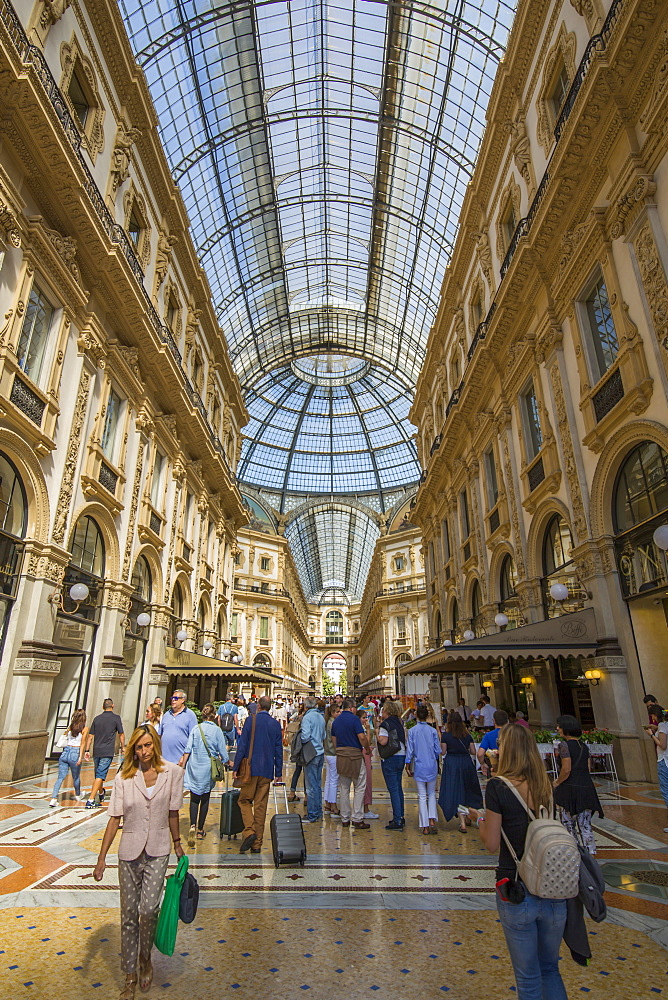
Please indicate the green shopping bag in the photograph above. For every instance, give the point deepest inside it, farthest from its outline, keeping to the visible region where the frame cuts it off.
(168, 919)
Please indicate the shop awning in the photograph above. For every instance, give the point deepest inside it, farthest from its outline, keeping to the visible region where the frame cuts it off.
(183, 661)
(569, 635)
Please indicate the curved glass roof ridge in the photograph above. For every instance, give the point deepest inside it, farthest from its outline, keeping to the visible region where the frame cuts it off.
(322, 149)
(332, 545)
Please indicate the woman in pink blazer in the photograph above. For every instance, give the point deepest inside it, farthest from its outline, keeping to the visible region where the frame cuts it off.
(147, 794)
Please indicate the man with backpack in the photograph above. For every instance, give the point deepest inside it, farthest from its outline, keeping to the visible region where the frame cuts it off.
(228, 720)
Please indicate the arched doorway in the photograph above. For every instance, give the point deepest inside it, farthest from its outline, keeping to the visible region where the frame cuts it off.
(13, 521)
(334, 669)
(76, 626)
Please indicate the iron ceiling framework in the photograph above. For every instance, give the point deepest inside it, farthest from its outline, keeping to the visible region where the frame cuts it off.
(333, 546)
(323, 150)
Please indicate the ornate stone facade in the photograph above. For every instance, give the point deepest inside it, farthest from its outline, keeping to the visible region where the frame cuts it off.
(572, 367)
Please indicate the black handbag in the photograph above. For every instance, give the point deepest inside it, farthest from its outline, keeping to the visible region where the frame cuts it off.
(188, 899)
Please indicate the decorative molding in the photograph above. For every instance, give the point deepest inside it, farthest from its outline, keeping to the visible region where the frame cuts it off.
(66, 249)
(162, 259)
(132, 516)
(31, 665)
(9, 224)
(579, 515)
(653, 277)
(121, 157)
(514, 516)
(74, 444)
(52, 11)
(643, 189)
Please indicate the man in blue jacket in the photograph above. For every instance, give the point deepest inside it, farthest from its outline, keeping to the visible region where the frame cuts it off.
(266, 763)
(313, 731)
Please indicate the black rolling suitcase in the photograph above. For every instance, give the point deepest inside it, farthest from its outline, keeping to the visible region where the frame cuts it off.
(287, 835)
(231, 822)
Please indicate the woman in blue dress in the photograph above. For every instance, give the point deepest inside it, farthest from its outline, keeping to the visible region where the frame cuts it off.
(459, 782)
(205, 741)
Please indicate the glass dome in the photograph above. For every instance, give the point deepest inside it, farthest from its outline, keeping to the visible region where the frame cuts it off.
(323, 151)
(342, 429)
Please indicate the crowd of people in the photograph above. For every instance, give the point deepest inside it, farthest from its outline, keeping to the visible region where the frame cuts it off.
(172, 751)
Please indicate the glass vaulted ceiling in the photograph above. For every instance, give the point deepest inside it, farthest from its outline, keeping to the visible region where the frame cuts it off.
(322, 150)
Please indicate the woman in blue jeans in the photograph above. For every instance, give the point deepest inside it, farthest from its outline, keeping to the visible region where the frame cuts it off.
(393, 767)
(533, 926)
(72, 742)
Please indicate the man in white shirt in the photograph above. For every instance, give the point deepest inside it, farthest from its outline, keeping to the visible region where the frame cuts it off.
(280, 714)
(242, 715)
(488, 711)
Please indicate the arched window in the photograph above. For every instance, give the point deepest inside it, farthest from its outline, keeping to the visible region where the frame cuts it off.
(141, 595)
(88, 547)
(556, 546)
(334, 628)
(261, 660)
(177, 601)
(141, 581)
(439, 625)
(476, 599)
(641, 490)
(13, 521)
(86, 566)
(558, 567)
(508, 582)
(203, 615)
(454, 614)
(509, 603)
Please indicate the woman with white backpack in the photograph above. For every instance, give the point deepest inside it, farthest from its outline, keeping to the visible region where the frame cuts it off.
(538, 865)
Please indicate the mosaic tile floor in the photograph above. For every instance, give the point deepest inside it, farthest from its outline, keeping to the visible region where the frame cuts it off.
(408, 915)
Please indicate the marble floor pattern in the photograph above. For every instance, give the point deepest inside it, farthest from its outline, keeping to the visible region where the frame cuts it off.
(372, 911)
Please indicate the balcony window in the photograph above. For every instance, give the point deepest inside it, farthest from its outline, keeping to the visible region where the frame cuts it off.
(37, 324)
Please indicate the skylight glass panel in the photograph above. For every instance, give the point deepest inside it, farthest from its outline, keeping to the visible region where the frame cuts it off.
(317, 223)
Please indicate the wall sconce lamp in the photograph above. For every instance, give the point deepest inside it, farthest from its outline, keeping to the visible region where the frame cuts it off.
(181, 635)
(79, 593)
(143, 621)
(207, 645)
(488, 684)
(469, 634)
(593, 676)
(501, 619)
(526, 680)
